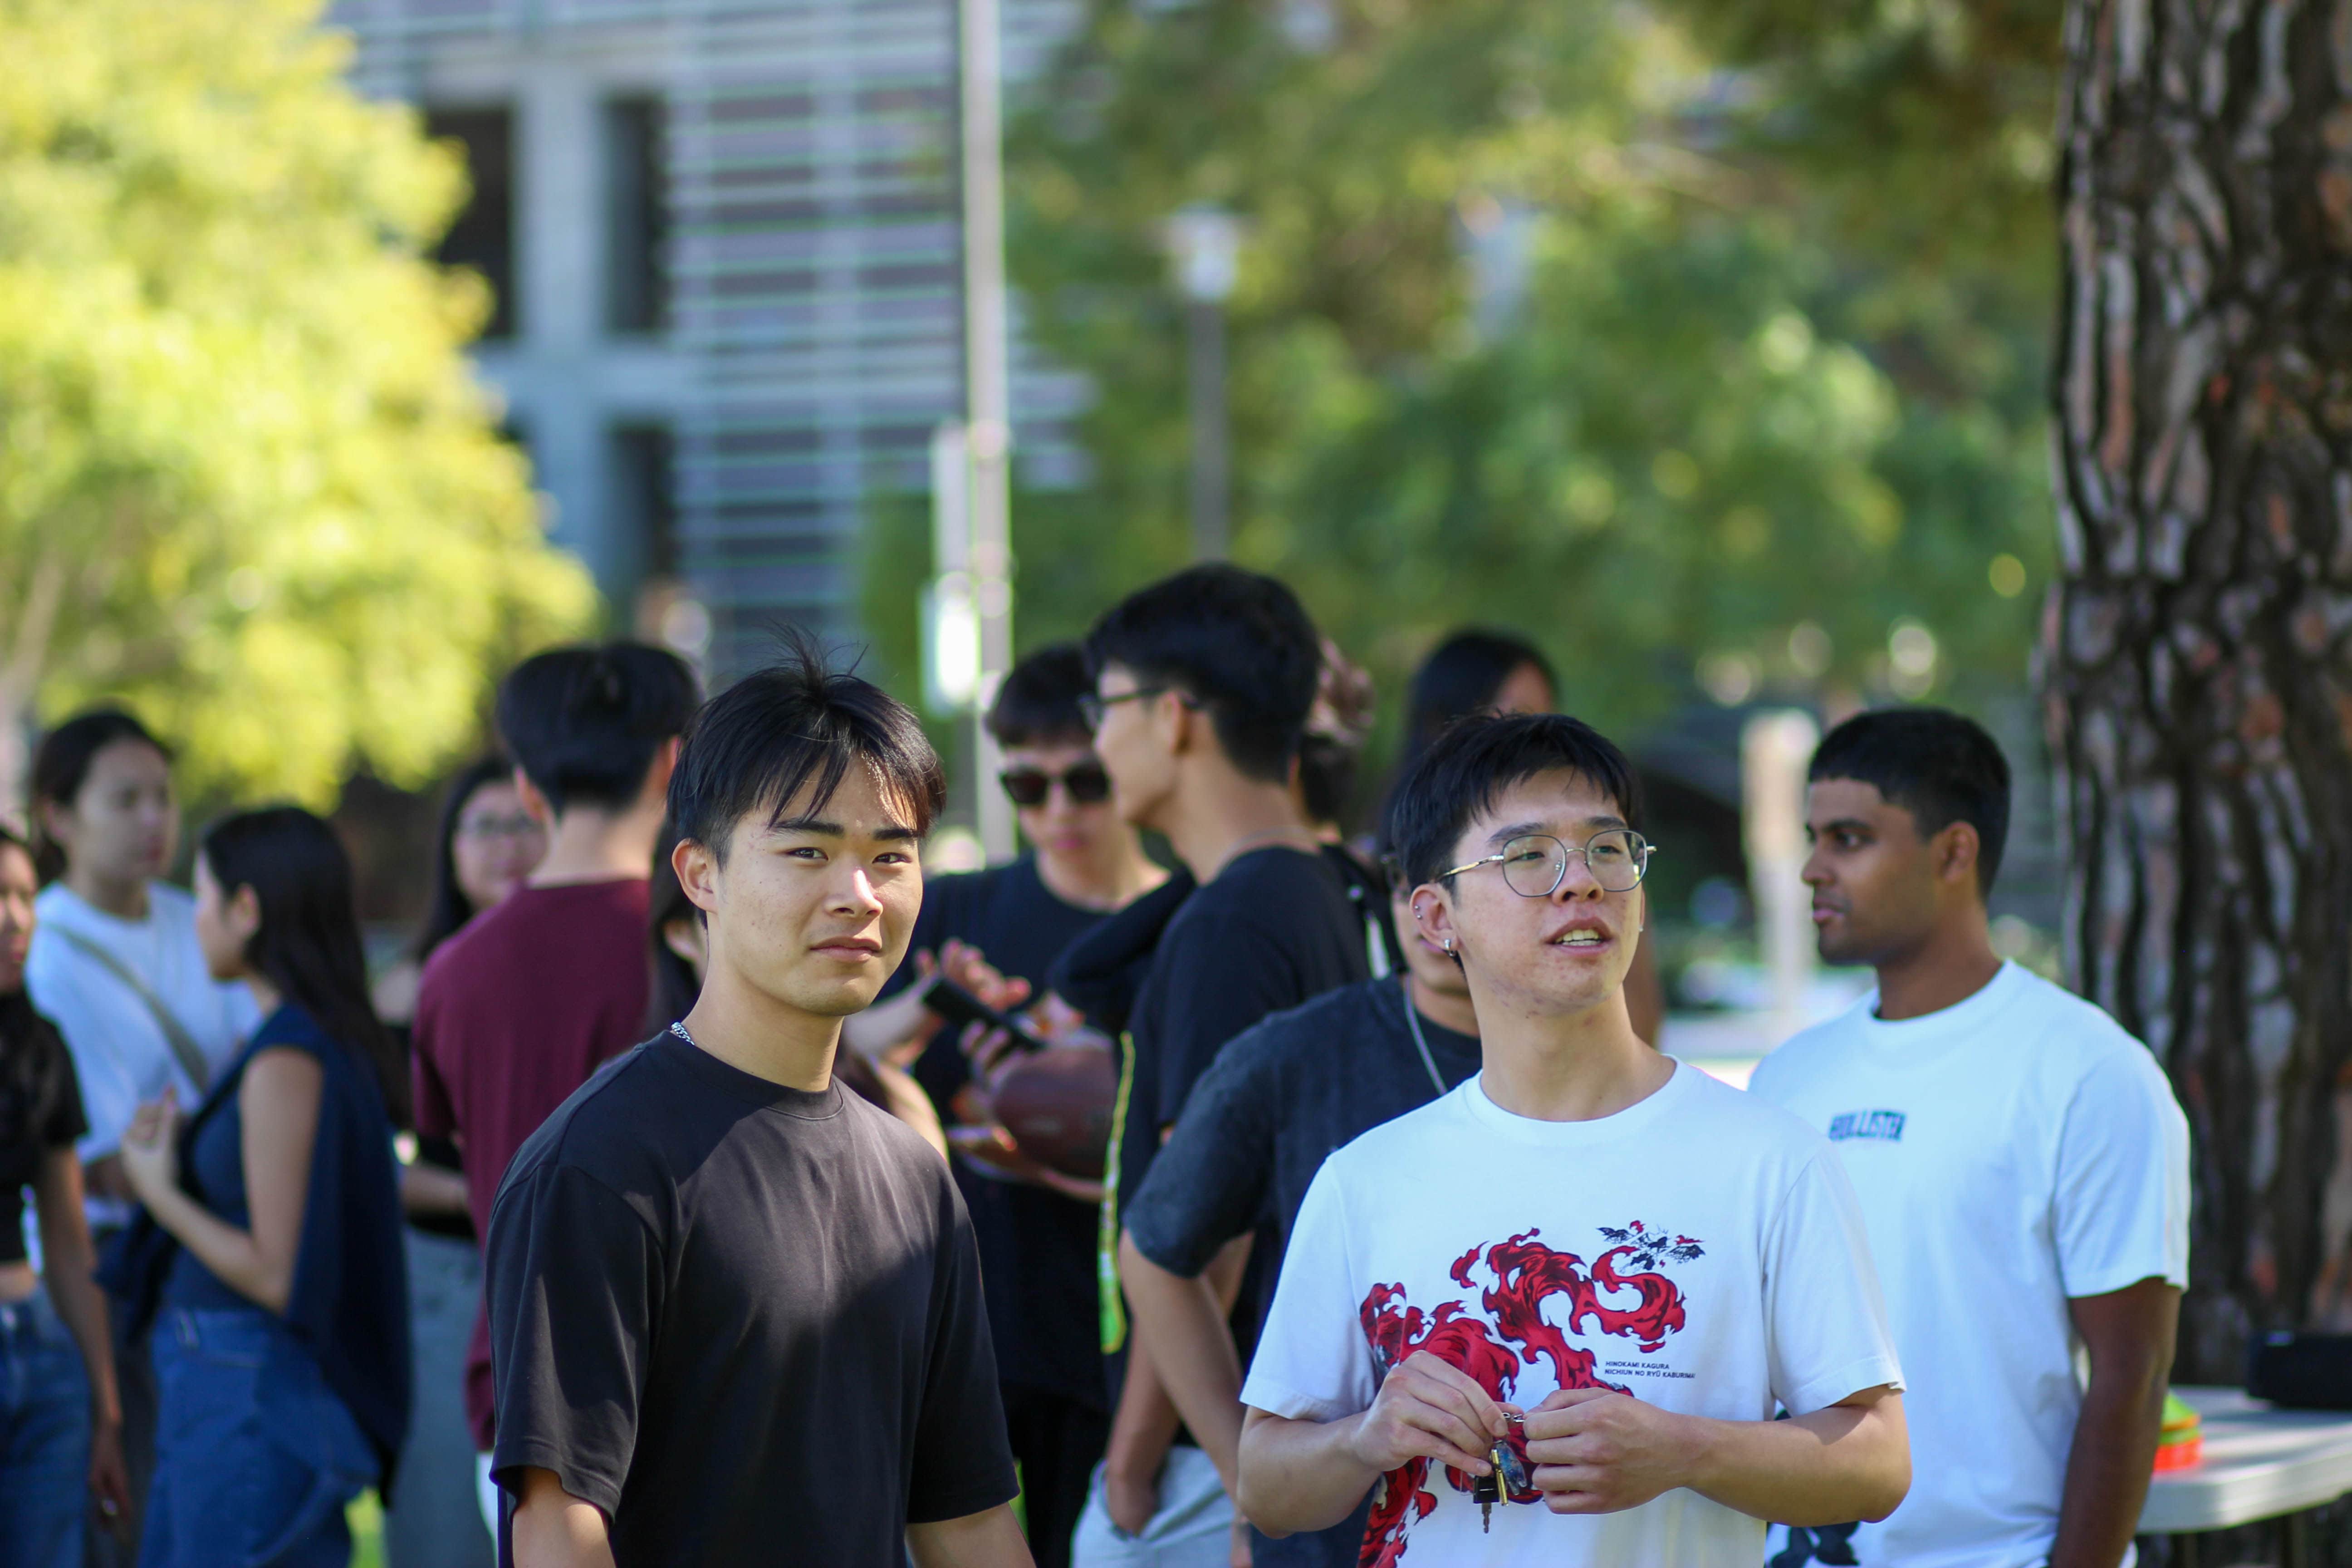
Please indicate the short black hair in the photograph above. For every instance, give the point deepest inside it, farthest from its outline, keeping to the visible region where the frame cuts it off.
(1038, 703)
(1469, 765)
(1940, 766)
(1237, 643)
(797, 724)
(584, 722)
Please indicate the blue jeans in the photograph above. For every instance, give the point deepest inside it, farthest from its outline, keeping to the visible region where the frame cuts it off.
(433, 1520)
(255, 1457)
(44, 1439)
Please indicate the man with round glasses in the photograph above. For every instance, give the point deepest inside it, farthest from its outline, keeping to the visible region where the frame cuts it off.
(1036, 1229)
(1549, 1318)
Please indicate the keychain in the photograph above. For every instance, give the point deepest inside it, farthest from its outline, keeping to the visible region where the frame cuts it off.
(1511, 1478)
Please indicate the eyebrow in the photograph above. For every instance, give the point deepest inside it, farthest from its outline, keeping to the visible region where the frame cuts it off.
(1502, 835)
(894, 832)
(1842, 824)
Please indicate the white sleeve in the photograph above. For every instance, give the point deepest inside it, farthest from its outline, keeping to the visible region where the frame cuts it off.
(1312, 1363)
(1825, 1320)
(61, 992)
(2120, 1210)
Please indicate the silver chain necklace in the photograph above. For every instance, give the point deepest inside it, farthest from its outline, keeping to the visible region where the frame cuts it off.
(679, 1029)
(1413, 1022)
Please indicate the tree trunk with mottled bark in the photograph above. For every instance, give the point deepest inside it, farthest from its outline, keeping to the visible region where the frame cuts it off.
(2195, 660)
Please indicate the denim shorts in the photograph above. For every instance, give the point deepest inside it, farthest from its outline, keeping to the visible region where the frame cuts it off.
(255, 1457)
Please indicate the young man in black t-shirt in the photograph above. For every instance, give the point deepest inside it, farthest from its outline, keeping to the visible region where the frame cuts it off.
(1203, 686)
(1278, 1100)
(735, 1309)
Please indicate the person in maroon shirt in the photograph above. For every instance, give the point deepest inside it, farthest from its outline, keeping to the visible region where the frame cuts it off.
(522, 1005)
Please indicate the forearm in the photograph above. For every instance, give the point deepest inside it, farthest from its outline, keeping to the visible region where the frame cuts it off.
(1192, 1353)
(553, 1529)
(887, 1025)
(1299, 1475)
(431, 1190)
(232, 1255)
(2108, 1470)
(66, 1255)
(1144, 1425)
(990, 1540)
(1847, 1462)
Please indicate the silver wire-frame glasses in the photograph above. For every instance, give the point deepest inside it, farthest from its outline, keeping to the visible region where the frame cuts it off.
(1535, 864)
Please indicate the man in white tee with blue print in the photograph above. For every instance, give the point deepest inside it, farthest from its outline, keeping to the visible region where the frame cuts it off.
(2022, 1167)
(1600, 1268)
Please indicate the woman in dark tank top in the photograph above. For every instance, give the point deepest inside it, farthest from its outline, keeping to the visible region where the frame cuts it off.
(269, 1252)
(60, 1417)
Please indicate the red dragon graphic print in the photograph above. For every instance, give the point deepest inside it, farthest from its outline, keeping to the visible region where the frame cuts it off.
(1528, 1278)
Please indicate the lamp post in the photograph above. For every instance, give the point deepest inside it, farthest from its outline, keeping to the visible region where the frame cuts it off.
(1204, 245)
(988, 418)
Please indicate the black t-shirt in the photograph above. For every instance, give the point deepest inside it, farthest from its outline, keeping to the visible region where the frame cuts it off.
(40, 1110)
(1278, 1099)
(741, 1319)
(1037, 1246)
(1274, 930)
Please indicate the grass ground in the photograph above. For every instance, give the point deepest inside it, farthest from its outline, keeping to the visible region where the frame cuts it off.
(366, 1517)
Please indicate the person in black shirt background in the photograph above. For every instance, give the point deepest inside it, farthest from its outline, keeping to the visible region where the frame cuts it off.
(736, 1310)
(1203, 683)
(1037, 1228)
(1278, 1099)
(61, 1420)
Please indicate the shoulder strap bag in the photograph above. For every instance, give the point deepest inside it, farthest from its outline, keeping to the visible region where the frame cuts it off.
(184, 1048)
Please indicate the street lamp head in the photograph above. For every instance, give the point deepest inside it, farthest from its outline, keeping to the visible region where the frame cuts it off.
(1204, 246)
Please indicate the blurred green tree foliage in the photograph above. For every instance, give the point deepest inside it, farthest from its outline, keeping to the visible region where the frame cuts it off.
(1561, 315)
(246, 481)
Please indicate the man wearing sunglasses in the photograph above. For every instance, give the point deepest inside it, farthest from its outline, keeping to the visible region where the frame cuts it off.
(1036, 1230)
(1547, 1319)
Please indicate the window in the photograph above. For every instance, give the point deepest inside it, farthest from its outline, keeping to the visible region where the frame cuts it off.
(646, 510)
(636, 217)
(481, 236)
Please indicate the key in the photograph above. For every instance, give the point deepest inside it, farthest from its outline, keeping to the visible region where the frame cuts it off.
(1487, 1491)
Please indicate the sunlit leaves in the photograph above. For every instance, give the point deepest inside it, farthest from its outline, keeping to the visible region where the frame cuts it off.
(233, 404)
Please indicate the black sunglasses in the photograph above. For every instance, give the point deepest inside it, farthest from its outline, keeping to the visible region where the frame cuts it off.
(1086, 782)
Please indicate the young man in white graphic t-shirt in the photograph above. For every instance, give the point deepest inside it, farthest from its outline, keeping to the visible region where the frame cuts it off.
(1603, 1270)
(2022, 1162)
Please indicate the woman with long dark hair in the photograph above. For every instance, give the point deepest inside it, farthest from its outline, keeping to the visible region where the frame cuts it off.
(61, 1418)
(274, 1261)
(485, 845)
(115, 965)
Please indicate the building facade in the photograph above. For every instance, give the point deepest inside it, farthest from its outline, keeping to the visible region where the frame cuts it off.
(723, 241)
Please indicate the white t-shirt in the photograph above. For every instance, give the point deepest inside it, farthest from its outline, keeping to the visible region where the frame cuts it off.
(2010, 1153)
(120, 1053)
(1700, 1249)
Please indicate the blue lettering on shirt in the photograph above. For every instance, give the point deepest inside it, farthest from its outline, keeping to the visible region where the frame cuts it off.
(1883, 1126)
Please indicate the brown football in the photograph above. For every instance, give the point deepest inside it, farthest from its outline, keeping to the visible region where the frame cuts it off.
(1056, 1104)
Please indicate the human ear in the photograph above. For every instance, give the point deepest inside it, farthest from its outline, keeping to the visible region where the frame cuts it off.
(244, 912)
(697, 874)
(1433, 915)
(1955, 851)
